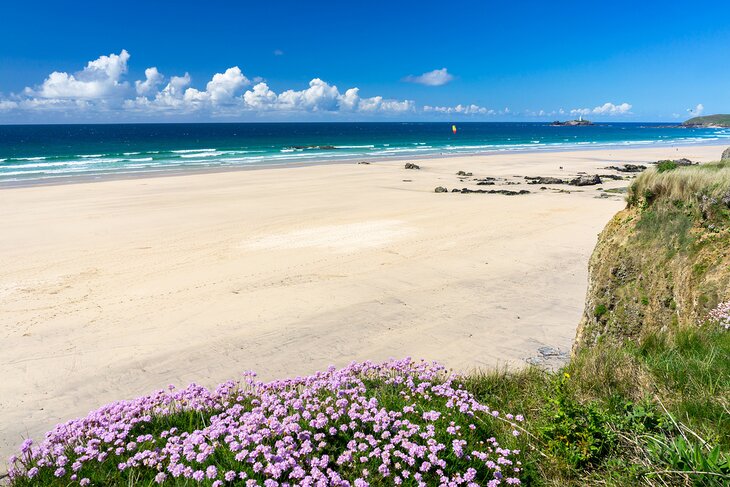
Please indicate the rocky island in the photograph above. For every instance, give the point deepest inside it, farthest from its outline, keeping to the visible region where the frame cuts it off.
(571, 123)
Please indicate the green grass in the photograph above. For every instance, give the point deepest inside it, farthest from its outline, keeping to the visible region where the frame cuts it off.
(668, 184)
(649, 413)
(664, 166)
(720, 119)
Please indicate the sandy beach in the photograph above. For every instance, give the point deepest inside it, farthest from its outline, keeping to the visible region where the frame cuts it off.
(109, 290)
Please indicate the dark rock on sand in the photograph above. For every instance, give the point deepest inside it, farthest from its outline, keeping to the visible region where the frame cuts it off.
(490, 191)
(462, 173)
(725, 155)
(440, 189)
(363, 162)
(585, 180)
(544, 180)
(628, 168)
(410, 165)
(615, 177)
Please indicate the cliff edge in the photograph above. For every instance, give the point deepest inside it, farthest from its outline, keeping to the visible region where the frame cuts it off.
(664, 261)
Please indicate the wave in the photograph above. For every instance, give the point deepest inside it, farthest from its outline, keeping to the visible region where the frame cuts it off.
(191, 154)
(186, 151)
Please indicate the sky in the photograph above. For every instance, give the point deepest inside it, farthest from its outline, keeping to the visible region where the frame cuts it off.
(162, 61)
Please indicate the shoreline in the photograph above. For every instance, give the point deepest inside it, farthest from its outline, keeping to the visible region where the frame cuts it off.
(176, 172)
(113, 290)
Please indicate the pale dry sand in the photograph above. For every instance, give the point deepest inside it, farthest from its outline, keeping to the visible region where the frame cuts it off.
(109, 290)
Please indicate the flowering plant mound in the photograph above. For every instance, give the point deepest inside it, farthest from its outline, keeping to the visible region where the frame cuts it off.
(721, 315)
(400, 422)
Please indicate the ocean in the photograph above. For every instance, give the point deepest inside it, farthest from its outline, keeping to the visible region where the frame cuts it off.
(43, 153)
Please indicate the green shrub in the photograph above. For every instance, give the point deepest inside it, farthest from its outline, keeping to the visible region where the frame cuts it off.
(578, 433)
(664, 166)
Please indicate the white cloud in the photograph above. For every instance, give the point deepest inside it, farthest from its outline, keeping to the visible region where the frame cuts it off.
(379, 104)
(100, 86)
(278, 52)
(321, 97)
(697, 111)
(171, 96)
(153, 79)
(8, 104)
(463, 110)
(437, 77)
(224, 86)
(611, 109)
(260, 98)
(605, 109)
(350, 101)
(99, 79)
(580, 111)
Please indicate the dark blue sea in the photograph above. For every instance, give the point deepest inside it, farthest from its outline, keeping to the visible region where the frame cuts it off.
(45, 152)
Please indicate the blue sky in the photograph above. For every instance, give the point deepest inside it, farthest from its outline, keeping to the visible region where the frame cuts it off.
(482, 61)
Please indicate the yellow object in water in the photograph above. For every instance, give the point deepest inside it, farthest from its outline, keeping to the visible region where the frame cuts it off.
(453, 128)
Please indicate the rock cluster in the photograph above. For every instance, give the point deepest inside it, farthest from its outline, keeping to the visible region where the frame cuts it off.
(628, 168)
(585, 180)
(580, 180)
(726, 155)
(544, 180)
(490, 191)
(486, 181)
(410, 165)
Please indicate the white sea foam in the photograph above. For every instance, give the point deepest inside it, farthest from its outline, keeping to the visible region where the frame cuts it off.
(188, 155)
(186, 151)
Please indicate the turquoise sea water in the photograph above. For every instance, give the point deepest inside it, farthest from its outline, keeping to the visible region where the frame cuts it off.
(39, 153)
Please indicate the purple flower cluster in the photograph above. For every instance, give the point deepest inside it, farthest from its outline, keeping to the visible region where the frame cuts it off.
(721, 315)
(394, 423)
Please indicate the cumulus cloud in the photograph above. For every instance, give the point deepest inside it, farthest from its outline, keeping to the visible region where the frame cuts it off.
(153, 79)
(437, 77)
(605, 109)
(99, 79)
(100, 86)
(278, 52)
(464, 110)
(260, 97)
(697, 111)
(321, 97)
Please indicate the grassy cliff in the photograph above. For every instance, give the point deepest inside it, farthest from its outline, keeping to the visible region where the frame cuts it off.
(709, 120)
(664, 261)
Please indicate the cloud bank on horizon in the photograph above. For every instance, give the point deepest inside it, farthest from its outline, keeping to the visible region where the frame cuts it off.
(101, 88)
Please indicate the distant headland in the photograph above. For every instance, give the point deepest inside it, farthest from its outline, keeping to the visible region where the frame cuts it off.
(709, 121)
